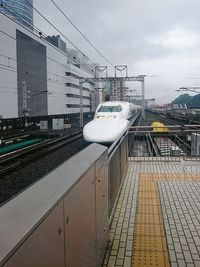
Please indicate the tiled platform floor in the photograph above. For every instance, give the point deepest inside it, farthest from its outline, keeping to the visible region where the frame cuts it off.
(176, 186)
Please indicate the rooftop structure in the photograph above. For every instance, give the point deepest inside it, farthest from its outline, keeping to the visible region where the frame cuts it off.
(57, 41)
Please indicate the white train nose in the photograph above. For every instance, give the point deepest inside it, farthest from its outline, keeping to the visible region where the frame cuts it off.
(104, 131)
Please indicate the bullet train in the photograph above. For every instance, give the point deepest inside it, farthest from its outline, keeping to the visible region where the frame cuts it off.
(111, 119)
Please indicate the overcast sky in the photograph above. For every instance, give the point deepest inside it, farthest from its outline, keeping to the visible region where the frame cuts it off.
(159, 38)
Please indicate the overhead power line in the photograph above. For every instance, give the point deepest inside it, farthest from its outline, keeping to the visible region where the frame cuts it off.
(172, 77)
(39, 31)
(28, 64)
(72, 23)
(48, 21)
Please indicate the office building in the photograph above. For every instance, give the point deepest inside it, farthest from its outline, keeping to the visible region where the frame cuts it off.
(34, 70)
(20, 10)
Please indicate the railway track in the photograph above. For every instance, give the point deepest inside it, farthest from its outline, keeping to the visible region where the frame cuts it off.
(171, 121)
(148, 143)
(167, 147)
(15, 159)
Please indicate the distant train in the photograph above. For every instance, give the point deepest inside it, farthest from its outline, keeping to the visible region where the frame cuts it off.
(111, 119)
(159, 127)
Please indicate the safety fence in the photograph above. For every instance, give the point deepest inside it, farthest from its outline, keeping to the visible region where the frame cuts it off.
(171, 142)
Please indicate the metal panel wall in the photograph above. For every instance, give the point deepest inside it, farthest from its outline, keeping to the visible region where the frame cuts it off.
(117, 167)
(123, 156)
(45, 247)
(74, 232)
(79, 212)
(114, 177)
(101, 178)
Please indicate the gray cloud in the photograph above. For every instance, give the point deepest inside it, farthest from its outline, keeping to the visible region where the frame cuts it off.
(154, 37)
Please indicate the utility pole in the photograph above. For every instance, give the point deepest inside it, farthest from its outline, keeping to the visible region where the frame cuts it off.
(24, 102)
(143, 98)
(81, 105)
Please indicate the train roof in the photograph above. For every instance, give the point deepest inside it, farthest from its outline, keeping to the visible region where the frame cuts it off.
(113, 103)
(116, 103)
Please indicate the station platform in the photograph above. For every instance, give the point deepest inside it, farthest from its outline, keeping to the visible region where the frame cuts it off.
(157, 217)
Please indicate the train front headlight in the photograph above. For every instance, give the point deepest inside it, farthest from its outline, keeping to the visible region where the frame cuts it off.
(111, 117)
(100, 117)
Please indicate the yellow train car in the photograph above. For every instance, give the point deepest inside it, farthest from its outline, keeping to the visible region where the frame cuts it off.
(159, 127)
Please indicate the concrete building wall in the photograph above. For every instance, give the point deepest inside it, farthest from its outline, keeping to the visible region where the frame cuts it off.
(60, 95)
(117, 90)
(8, 69)
(31, 70)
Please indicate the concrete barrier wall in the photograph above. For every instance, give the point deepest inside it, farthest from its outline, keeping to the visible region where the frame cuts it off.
(62, 220)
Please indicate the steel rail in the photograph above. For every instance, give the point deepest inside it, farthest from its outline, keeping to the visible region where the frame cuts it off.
(39, 150)
(154, 146)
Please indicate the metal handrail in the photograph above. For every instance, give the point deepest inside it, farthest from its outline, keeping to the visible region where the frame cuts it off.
(117, 142)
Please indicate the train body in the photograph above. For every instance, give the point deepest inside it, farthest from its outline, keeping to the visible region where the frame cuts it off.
(111, 119)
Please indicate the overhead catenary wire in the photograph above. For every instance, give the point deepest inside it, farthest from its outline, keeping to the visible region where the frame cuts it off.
(172, 77)
(50, 23)
(38, 31)
(11, 10)
(39, 80)
(148, 76)
(55, 61)
(68, 52)
(12, 69)
(83, 35)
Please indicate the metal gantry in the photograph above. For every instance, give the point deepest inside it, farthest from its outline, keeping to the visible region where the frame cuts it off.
(139, 78)
(103, 70)
(123, 69)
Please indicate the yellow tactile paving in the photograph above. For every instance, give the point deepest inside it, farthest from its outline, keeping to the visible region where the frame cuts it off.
(148, 209)
(149, 202)
(148, 218)
(150, 229)
(149, 244)
(149, 259)
(147, 194)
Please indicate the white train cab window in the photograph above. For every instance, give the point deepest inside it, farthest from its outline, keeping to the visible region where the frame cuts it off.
(110, 108)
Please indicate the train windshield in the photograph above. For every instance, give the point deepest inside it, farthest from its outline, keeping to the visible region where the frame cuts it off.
(110, 109)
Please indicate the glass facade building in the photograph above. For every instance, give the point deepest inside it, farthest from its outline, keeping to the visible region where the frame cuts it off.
(21, 10)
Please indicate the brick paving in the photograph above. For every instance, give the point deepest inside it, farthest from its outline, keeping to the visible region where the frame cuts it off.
(122, 226)
(180, 202)
(183, 248)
